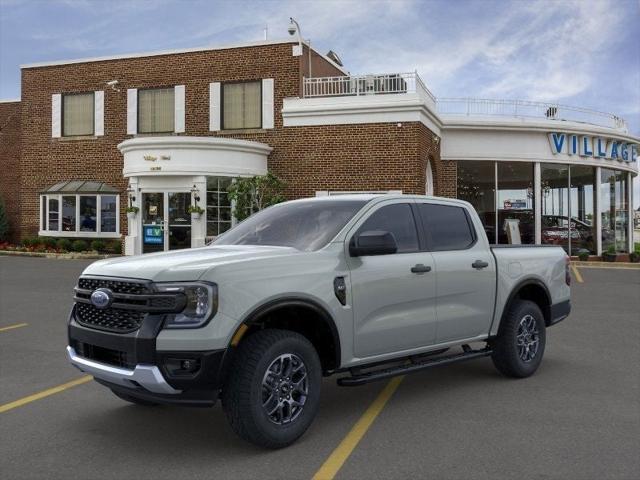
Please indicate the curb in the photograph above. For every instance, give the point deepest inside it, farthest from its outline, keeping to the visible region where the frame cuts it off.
(59, 256)
(612, 265)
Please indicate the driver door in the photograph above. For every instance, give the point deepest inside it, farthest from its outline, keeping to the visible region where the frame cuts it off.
(394, 307)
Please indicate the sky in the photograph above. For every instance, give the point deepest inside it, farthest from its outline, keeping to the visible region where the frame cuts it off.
(584, 53)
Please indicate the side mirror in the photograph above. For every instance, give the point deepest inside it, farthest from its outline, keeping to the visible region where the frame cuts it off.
(373, 242)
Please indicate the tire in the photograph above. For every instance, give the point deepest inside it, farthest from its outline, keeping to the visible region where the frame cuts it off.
(131, 399)
(519, 346)
(258, 376)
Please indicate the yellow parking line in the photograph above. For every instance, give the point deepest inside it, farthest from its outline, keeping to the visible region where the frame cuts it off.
(334, 463)
(576, 273)
(45, 393)
(11, 327)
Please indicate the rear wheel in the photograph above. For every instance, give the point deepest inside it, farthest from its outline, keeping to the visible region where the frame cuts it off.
(519, 346)
(131, 399)
(273, 391)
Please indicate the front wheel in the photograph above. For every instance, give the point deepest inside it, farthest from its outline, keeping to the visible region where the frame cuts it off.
(519, 346)
(273, 388)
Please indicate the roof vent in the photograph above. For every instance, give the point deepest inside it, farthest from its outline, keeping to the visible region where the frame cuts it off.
(333, 56)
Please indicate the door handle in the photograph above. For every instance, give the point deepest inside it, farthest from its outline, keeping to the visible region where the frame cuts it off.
(478, 264)
(420, 268)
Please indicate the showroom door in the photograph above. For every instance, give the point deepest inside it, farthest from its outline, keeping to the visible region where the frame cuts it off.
(166, 223)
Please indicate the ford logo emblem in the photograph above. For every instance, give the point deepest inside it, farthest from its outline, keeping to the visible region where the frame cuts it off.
(102, 298)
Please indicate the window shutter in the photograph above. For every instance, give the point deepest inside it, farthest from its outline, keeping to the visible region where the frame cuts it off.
(132, 111)
(56, 115)
(179, 108)
(267, 103)
(98, 111)
(214, 106)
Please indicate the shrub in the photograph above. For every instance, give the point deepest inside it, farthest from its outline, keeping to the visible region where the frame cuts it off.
(65, 244)
(98, 245)
(583, 255)
(48, 242)
(29, 242)
(113, 247)
(79, 246)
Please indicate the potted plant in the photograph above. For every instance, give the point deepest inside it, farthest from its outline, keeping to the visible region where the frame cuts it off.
(635, 255)
(131, 212)
(195, 211)
(583, 255)
(610, 255)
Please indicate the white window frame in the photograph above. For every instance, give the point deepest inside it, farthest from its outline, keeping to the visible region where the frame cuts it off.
(44, 216)
(96, 120)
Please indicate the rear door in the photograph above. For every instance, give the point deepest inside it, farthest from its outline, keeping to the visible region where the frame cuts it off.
(465, 271)
(394, 307)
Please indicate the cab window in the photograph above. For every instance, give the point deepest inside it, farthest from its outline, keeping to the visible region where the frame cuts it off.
(397, 219)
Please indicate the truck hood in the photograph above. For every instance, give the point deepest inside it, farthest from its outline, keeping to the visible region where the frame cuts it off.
(182, 265)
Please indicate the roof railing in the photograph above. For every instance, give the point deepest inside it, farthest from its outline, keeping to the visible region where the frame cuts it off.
(403, 83)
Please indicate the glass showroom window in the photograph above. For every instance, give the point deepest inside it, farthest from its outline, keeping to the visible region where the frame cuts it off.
(515, 202)
(555, 204)
(77, 114)
(80, 215)
(218, 206)
(156, 110)
(476, 185)
(242, 105)
(614, 210)
(582, 201)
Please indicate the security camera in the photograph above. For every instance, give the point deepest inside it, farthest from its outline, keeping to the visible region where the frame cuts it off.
(292, 29)
(112, 83)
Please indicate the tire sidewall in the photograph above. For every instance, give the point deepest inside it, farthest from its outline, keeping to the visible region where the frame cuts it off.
(508, 342)
(300, 346)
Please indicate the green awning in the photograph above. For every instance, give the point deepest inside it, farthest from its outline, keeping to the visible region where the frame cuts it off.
(81, 186)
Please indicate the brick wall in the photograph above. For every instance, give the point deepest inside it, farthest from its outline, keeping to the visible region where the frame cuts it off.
(338, 157)
(10, 162)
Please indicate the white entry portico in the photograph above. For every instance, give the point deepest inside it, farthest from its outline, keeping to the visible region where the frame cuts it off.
(167, 174)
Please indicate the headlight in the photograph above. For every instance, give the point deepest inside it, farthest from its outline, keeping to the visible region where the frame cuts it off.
(201, 303)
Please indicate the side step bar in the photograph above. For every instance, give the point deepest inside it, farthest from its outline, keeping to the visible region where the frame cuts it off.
(375, 375)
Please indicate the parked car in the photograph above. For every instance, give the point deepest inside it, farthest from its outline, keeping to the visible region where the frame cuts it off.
(362, 286)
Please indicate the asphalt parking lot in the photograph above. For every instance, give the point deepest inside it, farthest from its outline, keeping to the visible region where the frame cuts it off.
(577, 418)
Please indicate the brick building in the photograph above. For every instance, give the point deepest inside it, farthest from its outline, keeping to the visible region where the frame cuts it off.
(164, 130)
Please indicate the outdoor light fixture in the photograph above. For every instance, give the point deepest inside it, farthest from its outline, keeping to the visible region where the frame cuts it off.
(294, 28)
(132, 197)
(194, 192)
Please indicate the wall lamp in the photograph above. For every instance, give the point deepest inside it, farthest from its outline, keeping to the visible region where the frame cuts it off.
(195, 193)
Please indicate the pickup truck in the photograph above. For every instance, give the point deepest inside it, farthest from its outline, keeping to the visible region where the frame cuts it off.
(363, 286)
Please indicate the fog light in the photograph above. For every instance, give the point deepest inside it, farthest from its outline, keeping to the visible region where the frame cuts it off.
(182, 366)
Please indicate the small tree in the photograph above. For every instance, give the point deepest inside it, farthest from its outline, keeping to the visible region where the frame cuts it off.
(4, 222)
(255, 193)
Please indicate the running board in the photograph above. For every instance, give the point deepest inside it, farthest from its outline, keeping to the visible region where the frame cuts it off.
(375, 375)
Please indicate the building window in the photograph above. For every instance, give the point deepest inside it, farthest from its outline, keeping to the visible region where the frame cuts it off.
(515, 202)
(78, 114)
(614, 210)
(555, 205)
(80, 215)
(219, 218)
(477, 185)
(156, 110)
(582, 201)
(241, 105)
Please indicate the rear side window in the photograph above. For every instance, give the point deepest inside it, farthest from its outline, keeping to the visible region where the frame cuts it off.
(398, 220)
(446, 226)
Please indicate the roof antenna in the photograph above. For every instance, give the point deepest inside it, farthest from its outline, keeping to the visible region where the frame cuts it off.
(266, 33)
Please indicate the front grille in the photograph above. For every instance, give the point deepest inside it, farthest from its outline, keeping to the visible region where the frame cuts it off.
(116, 286)
(110, 319)
(108, 356)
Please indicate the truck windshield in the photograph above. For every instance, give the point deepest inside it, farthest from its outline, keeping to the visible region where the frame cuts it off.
(306, 226)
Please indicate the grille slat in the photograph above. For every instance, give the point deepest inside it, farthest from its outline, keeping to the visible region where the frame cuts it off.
(110, 319)
(116, 286)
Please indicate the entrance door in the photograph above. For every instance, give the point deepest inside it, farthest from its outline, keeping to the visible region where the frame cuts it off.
(166, 224)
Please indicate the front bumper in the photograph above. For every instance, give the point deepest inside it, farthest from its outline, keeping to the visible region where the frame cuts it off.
(131, 364)
(148, 377)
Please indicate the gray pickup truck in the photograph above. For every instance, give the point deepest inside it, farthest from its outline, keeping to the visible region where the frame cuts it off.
(363, 286)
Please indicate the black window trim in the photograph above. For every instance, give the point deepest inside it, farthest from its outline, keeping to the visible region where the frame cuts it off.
(373, 210)
(426, 235)
(166, 87)
(236, 82)
(93, 117)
